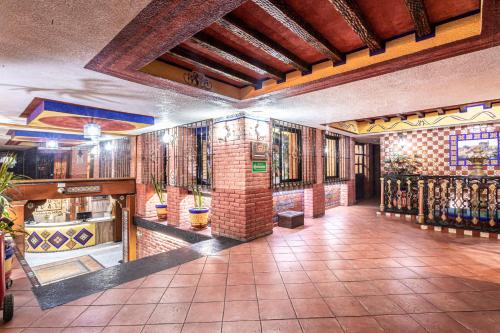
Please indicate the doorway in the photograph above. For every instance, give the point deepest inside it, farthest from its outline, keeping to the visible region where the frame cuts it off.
(367, 169)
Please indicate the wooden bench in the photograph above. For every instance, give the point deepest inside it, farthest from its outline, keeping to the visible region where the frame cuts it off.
(290, 219)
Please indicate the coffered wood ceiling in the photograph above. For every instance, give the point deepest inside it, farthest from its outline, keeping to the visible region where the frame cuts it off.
(280, 48)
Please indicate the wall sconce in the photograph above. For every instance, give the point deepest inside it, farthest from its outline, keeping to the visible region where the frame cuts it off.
(402, 142)
(109, 146)
(223, 133)
(167, 138)
(260, 132)
(95, 150)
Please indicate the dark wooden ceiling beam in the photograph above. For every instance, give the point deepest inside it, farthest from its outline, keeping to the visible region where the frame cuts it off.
(282, 13)
(419, 17)
(229, 54)
(354, 17)
(263, 43)
(440, 111)
(420, 114)
(209, 65)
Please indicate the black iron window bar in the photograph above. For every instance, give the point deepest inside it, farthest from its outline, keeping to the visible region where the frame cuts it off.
(114, 162)
(154, 159)
(293, 156)
(191, 151)
(337, 158)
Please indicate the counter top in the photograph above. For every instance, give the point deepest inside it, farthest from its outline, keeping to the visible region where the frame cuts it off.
(69, 223)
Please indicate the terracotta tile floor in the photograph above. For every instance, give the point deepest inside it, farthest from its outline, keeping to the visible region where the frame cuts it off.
(350, 271)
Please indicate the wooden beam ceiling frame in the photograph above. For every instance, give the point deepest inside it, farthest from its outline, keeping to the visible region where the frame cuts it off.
(440, 111)
(236, 57)
(420, 114)
(418, 13)
(263, 43)
(351, 13)
(160, 26)
(208, 65)
(386, 119)
(402, 116)
(282, 13)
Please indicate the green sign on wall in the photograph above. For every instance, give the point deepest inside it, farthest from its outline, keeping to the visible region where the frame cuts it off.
(259, 166)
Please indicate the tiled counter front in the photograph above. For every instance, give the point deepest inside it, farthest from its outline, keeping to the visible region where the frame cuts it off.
(60, 237)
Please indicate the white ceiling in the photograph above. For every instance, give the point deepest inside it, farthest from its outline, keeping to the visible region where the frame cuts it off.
(44, 46)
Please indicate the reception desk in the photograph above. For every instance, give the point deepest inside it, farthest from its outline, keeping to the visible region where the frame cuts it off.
(66, 236)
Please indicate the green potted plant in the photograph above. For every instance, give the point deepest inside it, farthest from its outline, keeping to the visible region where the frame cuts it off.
(7, 227)
(402, 164)
(198, 215)
(161, 208)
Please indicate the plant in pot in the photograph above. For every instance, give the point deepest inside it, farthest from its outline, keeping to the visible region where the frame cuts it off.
(402, 164)
(198, 215)
(7, 227)
(161, 208)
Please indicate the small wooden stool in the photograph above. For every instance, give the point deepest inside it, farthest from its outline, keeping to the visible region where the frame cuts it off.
(290, 219)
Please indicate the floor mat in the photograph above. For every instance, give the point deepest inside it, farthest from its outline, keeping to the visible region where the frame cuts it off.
(64, 269)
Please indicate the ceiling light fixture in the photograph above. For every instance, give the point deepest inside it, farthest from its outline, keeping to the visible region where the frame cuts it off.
(92, 131)
(51, 144)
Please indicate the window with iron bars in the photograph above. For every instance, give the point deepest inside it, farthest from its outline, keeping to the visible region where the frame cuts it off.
(293, 155)
(180, 156)
(191, 151)
(336, 157)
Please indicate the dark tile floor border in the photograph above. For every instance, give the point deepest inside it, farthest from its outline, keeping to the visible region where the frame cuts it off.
(186, 235)
(62, 292)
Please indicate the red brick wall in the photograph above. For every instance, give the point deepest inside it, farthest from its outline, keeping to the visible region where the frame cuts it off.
(242, 204)
(314, 201)
(150, 243)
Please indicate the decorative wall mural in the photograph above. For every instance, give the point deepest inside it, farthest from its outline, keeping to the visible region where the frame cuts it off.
(464, 145)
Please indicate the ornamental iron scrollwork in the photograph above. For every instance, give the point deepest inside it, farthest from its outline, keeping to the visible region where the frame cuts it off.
(197, 79)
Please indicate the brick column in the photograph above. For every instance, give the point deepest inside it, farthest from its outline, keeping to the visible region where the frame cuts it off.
(242, 201)
(175, 196)
(314, 197)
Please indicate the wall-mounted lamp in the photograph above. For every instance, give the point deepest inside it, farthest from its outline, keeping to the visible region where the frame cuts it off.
(402, 142)
(109, 146)
(167, 137)
(51, 144)
(95, 150)
(223, 132)
(260, 132)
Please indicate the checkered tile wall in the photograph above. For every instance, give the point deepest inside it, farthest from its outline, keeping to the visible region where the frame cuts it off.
(433, 147)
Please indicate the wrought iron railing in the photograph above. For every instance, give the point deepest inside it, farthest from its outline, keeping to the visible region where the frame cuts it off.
(464, 202)
(400, 194)
(452, 201)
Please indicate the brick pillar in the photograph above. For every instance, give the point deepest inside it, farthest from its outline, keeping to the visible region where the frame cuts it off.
(242, 201)
(314, 197)
(175, 196)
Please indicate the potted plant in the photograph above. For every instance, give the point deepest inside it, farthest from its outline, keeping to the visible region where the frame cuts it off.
(161, 208)
(198, 215)
(7, 227)
(402, 164)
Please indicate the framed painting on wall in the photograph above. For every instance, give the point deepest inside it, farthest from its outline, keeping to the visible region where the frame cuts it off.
(462, 145)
